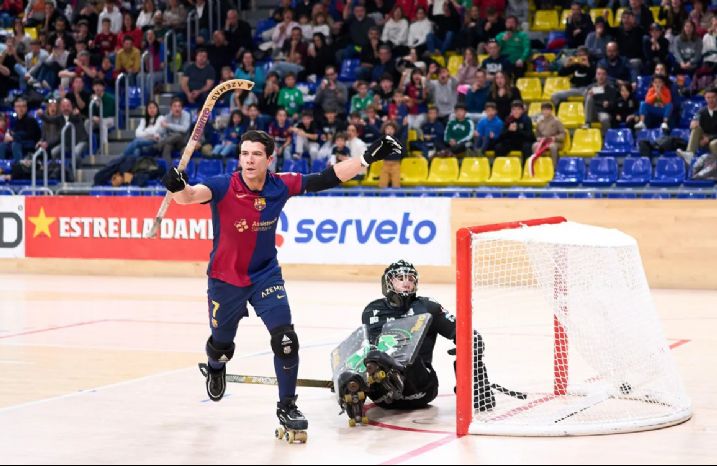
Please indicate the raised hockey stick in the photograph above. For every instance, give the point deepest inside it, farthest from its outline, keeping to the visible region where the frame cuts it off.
(212, 98)
(262, 380)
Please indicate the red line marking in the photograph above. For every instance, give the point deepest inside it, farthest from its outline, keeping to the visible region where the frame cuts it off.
(679, 343)
(421, 450)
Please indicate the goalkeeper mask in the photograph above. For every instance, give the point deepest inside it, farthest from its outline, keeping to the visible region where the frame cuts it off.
(399, 284)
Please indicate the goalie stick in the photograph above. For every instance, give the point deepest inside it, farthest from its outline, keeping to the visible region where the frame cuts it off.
(262, 380)
(202, 119)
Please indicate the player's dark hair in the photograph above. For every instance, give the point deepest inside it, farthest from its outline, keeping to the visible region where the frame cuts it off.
(262, 137)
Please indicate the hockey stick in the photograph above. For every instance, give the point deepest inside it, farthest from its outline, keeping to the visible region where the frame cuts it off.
(505, 391)
(197, 133)
(261, 380)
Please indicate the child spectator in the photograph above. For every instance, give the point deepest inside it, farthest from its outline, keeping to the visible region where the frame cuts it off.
(232, 134)
(291, 98)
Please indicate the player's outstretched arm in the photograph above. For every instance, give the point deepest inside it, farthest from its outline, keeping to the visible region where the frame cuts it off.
(177, 183)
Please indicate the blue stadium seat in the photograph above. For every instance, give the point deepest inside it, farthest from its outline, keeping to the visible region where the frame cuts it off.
(5, 168)
(643, 85)
(622, 195)
(162, 165)
(636, 172)
(190, 169)
(349, 70)
(232, 165)
(570, 172)
(318, 165)
(135, 96)
(208, 168)
(681, 133)
(601, 172)
(618, 142)
(689, 109)
(669, 171)
(651, 135)
(288, 166)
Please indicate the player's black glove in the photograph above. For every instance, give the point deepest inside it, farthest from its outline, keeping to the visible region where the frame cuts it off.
(174, 180)
(380, 149)
(452, 352)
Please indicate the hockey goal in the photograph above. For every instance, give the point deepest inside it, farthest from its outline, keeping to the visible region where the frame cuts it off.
(567, 319)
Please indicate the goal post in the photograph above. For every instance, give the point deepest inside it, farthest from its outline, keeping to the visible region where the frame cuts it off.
(567, 318)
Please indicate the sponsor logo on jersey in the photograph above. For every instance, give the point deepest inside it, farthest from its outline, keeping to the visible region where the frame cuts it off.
(272, 289)
(241, 225)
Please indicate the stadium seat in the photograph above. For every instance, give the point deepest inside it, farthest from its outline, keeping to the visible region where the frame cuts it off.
(534, 110)
(544, 172)
(681, 133)
(669, 171)
(636, 172)
(439, 59)
(554, 84)
(651, 135)
(572, 114)
(689, 109)
(5, 168)
(643, 85)
(414, 171)
(545, 21)
(206, 168)
(454, 64)
(190, 169)
(618, 143)
(349, 70)
(586, 143)
(566, 145)
(374, 170)
(482, 57)
(318, 165)
(656, 14)
(595, 12)
(232, 165)
(530, 89)
(570, 172)
(507, 171)
(474, 171)
(602, 172)
(548, 58)
(444, 172)
(564, 16)
(618, 15)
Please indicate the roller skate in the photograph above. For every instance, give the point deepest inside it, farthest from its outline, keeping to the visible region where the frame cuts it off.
(293, 423)
(383, 370)
(352, 390)
(216, 382)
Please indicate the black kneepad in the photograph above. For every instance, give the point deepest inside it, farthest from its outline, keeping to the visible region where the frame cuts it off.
(285, 342)
(220, 352)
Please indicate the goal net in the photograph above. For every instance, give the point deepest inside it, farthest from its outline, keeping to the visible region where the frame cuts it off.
(572, 341)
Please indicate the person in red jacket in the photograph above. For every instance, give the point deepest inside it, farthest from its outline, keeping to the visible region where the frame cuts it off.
(657, 104)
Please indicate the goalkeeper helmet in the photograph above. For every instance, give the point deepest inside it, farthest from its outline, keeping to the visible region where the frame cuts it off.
(399, 284)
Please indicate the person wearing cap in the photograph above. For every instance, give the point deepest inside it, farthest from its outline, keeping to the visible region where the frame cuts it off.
(597, 40)
(656, 49)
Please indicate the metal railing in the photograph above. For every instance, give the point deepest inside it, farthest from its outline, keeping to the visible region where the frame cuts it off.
(120, 78)
(63, 149)
(144, 76)
(33, 169)
(214, 10)
(165, 58)
(30, 191)
(190, 15)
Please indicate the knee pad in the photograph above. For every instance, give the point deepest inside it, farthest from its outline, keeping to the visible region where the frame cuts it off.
(285, 342)
(222, 352)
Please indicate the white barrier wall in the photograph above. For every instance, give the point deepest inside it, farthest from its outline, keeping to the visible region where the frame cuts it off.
(12, 231)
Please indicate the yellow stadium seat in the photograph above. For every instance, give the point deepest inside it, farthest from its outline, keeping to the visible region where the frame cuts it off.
(595, 12)
(545, 21)
(618, 15)
(534, 109)
(566, 145)
(454, 64)
(564, 18)
(474, 171)
(555, 84)
(412, 135)
(374, 170)
(32, 32)
(482, 57)
(656, 14)
(414, 171)
(544, 172)
(444, 171)
(506, 172)
(586, 143)
(530, 89)
(572, 114)
(438, 58)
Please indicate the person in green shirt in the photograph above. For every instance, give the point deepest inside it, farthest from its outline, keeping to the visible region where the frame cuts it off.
(514, 44)
(459, 131)
(290, 97)
(361, 101)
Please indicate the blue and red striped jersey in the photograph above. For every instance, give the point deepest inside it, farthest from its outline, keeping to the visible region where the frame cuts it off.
(244, 223)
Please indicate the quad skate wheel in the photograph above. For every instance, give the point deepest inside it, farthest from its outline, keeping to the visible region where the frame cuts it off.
(352, 422)
(364, 420)
(289, 436)
(348, 398)
(361, 396)
(279, 432)
(301, 436)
